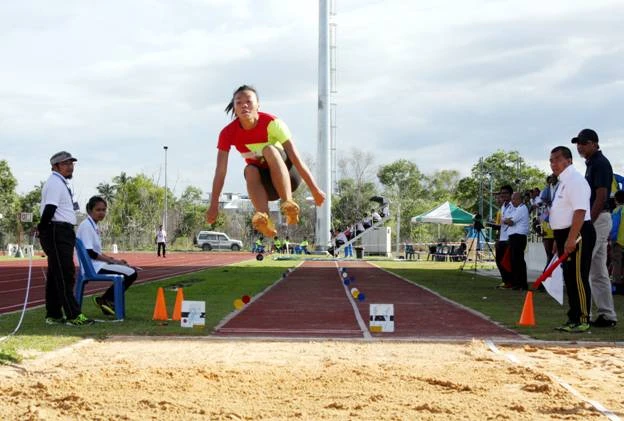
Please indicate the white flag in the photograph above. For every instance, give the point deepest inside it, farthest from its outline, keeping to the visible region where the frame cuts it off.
(554, 284)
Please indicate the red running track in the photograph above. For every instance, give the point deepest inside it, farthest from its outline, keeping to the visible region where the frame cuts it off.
(313, 302)
(14, 273)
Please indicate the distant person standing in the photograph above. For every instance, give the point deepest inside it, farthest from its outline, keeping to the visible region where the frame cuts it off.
(569, 219)
(501, 246)
(517, 223)
(599, 175)
(161, 241)
(58, 239)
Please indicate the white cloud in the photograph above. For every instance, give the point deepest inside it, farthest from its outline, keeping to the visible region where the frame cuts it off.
(440, 83)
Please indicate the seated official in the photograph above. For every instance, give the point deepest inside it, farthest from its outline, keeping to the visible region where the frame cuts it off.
(89, 234)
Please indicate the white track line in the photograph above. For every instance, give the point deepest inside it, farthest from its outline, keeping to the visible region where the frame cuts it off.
(455, 303)
(356, 310)
(227, 318)
(597, 405)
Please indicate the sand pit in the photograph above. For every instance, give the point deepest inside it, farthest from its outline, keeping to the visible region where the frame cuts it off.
(139, 379)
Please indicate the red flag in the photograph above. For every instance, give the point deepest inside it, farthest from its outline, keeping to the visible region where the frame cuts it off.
(506, 260)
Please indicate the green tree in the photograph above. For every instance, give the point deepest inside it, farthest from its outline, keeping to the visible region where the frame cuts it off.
(473, 192)
(404, 185)
(135, 211)
(31, 202)
(352, 202)
(9, 203)
(107, 192)
(352, 198)
(190, 212)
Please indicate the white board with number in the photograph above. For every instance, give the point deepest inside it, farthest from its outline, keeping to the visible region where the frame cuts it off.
(381, 318)
(193, 314)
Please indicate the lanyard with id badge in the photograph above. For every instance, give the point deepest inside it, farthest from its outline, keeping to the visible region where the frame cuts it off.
(71, 195)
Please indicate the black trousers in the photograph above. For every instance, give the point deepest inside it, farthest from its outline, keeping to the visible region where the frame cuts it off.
(58, 241)
(517, 245)
(109, 294)
(164, 249)
(576, 272)
(501, 248)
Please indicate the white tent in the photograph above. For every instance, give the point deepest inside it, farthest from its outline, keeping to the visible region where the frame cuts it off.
(446, 213)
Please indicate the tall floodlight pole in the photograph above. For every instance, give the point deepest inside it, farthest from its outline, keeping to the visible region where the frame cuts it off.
(165, 215)
(323, 216)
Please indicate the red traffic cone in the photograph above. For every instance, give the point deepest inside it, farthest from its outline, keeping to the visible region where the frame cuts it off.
(527, 318)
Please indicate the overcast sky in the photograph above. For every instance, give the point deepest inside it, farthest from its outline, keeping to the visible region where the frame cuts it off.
(439, 82)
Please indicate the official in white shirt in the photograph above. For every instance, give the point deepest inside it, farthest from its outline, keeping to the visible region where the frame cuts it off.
(569, 218)
(517, 223)
(504, 196)
(58, 239)
(89, 234)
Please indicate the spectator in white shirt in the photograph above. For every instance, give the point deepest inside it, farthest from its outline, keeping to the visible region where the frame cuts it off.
(517, 222)
(89, 234)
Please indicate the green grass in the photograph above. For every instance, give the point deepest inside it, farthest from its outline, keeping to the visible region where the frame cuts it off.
(503, 306)
(219, 287)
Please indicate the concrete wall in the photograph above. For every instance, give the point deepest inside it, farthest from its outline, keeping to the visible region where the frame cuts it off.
(376, 241)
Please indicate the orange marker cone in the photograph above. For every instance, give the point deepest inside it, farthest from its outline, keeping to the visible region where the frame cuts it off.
(177, 308)
(527, 318)
(160, 309)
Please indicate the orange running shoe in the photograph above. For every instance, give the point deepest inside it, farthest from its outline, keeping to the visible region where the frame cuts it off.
(291, 211)
(263, 224)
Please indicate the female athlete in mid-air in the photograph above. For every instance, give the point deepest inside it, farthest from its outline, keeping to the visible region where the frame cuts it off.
(274, 169)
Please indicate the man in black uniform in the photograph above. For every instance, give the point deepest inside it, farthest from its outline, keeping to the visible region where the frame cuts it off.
(57, 237)
(599, 175)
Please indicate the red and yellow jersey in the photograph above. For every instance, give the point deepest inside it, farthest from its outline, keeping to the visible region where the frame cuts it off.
(270, 130)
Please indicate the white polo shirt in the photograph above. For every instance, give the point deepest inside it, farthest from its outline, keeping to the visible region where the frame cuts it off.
(572, 193)
(89, 234)
(520, 218)
(56, 192)
(506, 211)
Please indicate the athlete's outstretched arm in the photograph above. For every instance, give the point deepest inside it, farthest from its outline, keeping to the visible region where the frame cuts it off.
(217, 186)
(302, 168)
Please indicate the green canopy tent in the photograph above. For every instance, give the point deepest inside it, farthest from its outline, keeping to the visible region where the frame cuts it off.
(446, 213)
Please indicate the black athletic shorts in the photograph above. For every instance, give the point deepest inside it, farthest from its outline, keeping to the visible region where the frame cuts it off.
(265, 176)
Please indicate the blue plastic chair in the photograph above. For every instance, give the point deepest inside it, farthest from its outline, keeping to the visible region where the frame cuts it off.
(86, 274)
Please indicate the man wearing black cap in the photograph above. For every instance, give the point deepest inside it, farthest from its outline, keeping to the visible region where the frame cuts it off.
(599, 175)
(57, 237)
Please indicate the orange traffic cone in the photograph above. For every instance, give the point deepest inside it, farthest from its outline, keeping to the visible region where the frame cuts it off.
(527, 318)
(177, 308)
(160, 309)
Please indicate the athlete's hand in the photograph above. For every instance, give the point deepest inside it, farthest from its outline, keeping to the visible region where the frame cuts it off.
(212, 213)
(319, 197)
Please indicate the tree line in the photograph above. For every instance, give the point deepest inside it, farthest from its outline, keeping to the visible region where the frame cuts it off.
(136, 203)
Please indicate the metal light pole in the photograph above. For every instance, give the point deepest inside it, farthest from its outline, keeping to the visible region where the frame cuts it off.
(165, 217)
(323, 214)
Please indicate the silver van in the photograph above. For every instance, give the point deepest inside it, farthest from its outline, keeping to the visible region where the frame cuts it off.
(212, 240)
